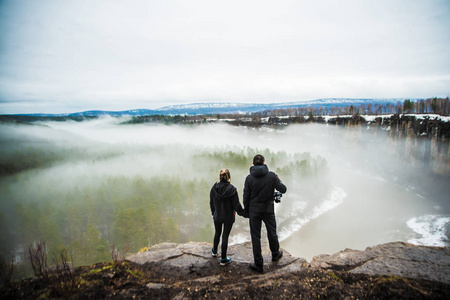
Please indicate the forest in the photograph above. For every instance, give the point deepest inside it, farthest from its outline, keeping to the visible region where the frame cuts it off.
(302, 114)
(433, 105)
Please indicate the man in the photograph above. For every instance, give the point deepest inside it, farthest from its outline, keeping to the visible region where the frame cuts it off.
(259, 187)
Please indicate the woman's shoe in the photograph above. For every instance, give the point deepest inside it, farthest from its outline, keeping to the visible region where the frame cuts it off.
(214, 254)
(225, 261)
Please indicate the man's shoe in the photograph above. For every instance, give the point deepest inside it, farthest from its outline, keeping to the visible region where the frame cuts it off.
(225, 261)
(214, 254)
(256, 268)
(278, 256)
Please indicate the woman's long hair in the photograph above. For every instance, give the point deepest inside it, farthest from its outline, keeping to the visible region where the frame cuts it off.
(224, 175)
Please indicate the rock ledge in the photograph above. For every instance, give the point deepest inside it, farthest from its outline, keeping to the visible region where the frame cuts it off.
(398, 258)
(188, 271)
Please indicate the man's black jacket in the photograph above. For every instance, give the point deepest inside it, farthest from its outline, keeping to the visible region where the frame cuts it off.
(224, 201)
(259, 187)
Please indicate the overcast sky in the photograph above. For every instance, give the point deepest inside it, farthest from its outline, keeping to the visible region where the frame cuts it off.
(67, 56)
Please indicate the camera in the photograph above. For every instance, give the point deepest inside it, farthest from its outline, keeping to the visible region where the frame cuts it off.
(277, 197)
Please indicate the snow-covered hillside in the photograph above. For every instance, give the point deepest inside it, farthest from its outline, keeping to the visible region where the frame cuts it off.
(232, 107)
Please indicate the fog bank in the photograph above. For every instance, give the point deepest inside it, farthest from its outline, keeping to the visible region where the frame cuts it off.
(347, 188)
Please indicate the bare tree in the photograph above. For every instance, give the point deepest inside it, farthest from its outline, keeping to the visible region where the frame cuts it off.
(62, 281)
(117, 255)
(65, 279)
(38, 259)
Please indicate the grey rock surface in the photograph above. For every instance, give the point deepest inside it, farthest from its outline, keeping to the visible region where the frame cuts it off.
(199, 254)
(398, 258)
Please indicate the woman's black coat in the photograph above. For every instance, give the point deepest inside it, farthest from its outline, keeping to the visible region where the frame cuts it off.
(224, 202)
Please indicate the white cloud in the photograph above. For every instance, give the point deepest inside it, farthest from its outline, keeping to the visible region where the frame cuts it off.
(123, 55)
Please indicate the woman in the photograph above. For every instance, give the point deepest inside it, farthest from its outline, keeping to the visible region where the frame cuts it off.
(224, 202)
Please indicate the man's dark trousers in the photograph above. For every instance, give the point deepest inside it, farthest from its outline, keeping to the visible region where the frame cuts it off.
(256, 219)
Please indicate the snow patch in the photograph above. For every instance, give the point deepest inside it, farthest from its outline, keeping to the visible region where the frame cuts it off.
(433, 230)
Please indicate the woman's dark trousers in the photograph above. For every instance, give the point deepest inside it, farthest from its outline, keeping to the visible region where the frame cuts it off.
(226, 233)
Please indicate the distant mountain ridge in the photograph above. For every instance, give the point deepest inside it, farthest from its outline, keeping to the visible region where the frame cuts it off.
(228, 107)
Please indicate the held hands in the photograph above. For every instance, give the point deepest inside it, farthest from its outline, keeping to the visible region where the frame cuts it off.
(243, 214)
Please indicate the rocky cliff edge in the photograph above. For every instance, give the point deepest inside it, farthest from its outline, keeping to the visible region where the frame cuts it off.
(394, 269)
(188, 271)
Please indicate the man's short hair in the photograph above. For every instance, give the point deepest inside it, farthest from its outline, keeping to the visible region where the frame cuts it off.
(258, 160)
